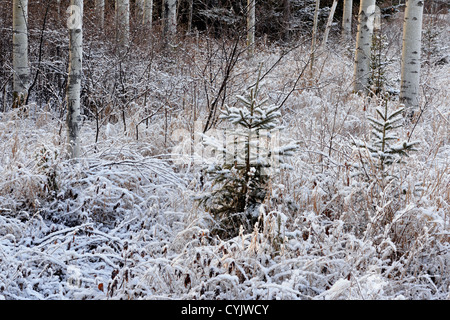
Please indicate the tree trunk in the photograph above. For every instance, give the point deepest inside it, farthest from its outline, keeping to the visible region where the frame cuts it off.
(75, 25)
(363, 45)
(100, 12)
(123, 23)
(148, 14)
(329, 23)
(287, 20)
(190, 14)
(410, 63)
(347, 20)
(20, 51)
(314, 35)
(170, 20)
(139, 13)
(251, 26)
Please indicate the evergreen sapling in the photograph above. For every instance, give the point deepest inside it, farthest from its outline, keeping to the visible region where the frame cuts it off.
(251, 156)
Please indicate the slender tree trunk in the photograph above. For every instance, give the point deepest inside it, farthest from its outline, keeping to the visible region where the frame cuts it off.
(20, 51)
(363, 45)
(123, 23)
(140, 10)
(100, 12)
(410, 63)
(347, 20)
(287, 20)
(190, 14)
(148, 14)
(251, 26)
(170, 20)
(314, 35)
(75, 25)
(329, 23)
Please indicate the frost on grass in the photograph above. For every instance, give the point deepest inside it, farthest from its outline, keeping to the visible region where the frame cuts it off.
(121, 223)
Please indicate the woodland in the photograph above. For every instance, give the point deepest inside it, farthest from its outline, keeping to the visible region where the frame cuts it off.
(224, 150)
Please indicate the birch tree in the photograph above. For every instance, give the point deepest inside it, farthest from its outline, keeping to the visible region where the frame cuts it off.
(20, 51)
(140, 10)
(329, 23)
(100, 12)
(314, 35)
(410, 62)
(75, 26)
(148, 13)
(287, 19)
(170, 20)
(347, 20)
(123, 23)
(251, 26)
(363, 45)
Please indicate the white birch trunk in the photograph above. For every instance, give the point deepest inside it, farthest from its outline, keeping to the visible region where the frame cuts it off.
(251, 26)
(363, 45)
(20, 49)
(100, 12)
(170, 20)
(347, 20)
(410, 63)
(329, 23)
(148, 14)
(75, 24)
(314, 35)
(123, 23)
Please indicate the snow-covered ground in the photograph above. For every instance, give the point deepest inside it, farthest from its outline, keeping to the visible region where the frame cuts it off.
(121, 222)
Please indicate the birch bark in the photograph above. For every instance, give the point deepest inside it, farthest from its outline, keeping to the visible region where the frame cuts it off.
(329, 23)
(148, 13)
(75, 25)
(20, 50)
(251, 26)
(347, 20)
(123, 23)
(314, 35)
(170, 20)
(410, 62)
(363, 45)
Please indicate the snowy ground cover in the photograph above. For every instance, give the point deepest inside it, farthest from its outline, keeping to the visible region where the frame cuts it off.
(121, 222)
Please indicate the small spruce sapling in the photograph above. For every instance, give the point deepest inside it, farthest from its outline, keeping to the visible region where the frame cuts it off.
(249, 160)
(385, 147)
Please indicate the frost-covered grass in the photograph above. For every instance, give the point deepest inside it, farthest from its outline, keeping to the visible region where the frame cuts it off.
(121, 222)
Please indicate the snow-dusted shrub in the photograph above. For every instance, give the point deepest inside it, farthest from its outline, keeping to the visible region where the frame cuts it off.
(240, 180)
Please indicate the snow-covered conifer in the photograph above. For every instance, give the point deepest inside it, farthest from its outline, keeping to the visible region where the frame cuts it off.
(251, 156)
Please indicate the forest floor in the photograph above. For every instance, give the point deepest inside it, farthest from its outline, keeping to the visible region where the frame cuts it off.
(121, 222)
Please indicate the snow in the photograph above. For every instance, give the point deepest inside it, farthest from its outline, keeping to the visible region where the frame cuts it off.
(123, 221)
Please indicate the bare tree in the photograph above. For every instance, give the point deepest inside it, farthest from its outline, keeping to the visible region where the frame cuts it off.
(329, 23)
(123, 23)
(363, 45)
(75, 25)
(20, 51)
(139, 10)
(169, 20)
(100, 12)
(314, 35)
(410, 63)
(347, 20)
(148, 14)
(251, 26)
